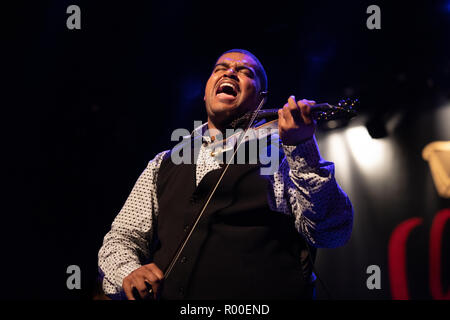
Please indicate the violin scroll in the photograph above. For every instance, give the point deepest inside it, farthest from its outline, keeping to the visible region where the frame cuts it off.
(345, 109)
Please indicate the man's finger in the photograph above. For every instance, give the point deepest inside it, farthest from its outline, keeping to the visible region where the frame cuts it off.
(127, 288)
(141, 288)
(305, 111)
(291, 102)
(148, 280)
(293, 107)
(309, 103)
(281, 120)
(154, 268)
(287, 115)
(294, 110)
(150, 276)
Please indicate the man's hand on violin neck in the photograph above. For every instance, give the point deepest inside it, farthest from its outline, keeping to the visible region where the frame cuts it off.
(295, 124)
(143, 283)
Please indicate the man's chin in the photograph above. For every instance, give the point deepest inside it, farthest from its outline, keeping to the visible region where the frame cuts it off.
(226, 103)
(226, 108)
(222, 115)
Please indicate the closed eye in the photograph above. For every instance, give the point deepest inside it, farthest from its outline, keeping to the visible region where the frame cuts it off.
(247, 72)
(219, 69)
(244, 70)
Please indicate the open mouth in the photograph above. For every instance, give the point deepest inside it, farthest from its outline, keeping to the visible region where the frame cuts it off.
(227, 90)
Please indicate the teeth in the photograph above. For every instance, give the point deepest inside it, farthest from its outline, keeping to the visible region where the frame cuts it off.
(227, 84)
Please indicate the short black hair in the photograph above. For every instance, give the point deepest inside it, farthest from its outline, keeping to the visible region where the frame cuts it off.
(261, 73)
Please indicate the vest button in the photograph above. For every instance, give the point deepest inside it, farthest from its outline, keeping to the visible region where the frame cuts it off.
(181, 290)
(183, 260)
(186, 228)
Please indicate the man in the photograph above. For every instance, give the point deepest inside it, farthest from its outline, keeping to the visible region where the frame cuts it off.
(253, 241)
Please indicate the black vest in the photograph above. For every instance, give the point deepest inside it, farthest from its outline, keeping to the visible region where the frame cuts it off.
(239, 250)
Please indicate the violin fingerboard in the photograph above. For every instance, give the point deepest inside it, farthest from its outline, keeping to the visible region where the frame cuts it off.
(346, 109)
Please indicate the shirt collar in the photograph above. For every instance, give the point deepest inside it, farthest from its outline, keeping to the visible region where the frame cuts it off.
(200, 132)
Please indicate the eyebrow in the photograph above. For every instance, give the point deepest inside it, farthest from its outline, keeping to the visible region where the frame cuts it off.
(226, 64)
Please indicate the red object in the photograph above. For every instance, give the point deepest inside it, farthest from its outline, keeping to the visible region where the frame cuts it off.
(398, 275)
(397, 258)
(437, 230)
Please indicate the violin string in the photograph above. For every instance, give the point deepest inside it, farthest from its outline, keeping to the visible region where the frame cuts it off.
(241, 139)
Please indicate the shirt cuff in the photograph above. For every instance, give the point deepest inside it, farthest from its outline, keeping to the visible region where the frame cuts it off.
(303, 156)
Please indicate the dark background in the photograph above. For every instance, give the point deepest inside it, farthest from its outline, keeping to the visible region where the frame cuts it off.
(85, 110)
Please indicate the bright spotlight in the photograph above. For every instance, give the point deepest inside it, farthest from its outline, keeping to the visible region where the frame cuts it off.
(370, 154)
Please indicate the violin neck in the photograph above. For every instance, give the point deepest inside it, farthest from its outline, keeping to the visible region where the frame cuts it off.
(321, 107)
(319, 112)
(272, 114)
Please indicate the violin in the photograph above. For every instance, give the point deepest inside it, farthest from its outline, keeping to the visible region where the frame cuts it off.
(345, 109)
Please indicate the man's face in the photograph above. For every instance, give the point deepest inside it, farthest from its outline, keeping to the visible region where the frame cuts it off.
(233, 88)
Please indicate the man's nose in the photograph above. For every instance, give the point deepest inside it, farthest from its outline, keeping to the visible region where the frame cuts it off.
(231, 73)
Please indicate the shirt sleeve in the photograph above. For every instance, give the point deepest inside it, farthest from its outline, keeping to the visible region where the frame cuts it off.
(305, 187)
(126, 245)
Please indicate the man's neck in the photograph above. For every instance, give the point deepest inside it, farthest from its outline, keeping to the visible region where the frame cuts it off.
(213, 128)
